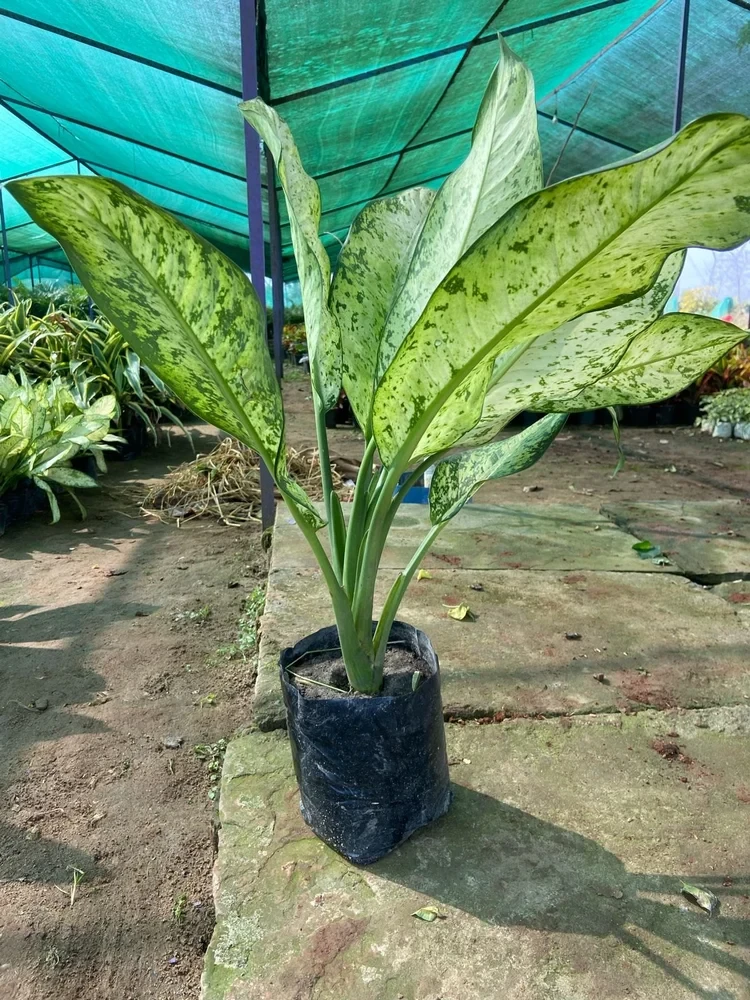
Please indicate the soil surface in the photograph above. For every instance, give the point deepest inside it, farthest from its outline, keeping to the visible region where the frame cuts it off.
(324, 676)
(118, 658)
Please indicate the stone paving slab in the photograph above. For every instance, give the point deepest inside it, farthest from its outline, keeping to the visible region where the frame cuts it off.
(557, 870)
(658, 640)
(486, 536)
(708, 540)
(737, 593)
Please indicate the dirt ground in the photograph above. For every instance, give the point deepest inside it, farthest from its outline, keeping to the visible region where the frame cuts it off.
(117, 661)
(114, 625)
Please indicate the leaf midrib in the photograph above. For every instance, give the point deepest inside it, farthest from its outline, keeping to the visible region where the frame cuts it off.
(182, 321)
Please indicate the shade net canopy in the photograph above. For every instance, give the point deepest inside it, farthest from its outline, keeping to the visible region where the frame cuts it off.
(380, 97)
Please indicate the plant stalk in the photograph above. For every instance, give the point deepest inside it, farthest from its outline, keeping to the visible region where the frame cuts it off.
(374, 542)
(357, 660)
(357, 517)
(394, 599)
(337, 555)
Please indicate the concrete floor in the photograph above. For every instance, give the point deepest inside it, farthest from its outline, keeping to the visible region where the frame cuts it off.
(558, 868)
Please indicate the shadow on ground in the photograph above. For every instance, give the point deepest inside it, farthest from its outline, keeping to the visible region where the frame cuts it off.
(42, 860)
(508, 868)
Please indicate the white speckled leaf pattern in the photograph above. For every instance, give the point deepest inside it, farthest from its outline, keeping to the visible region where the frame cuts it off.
(379, 240)
(503, 166)
(561, 363)
(585, 244)
(188, 311)
(313, 266)
(457, 479)
(661, 360)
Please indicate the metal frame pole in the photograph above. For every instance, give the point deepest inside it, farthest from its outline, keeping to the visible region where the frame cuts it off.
(31, 270)
(680, 88)
(277, 267)
(249, 52)
(6, 254)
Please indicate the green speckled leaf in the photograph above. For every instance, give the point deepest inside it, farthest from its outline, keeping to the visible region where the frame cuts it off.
(667, 356)
(188, 311)
(588, 243)
(380, 239)
(313, 266)
(565, 361)
(503, 166)
(457, 479)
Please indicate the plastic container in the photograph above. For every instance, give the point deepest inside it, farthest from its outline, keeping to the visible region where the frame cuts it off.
(371, 770)
(21, 503)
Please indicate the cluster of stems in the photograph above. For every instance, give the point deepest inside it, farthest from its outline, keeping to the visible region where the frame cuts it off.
(356, 547)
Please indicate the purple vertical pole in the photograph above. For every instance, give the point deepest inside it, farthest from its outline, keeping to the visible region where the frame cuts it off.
(680, 87)
(249, 55)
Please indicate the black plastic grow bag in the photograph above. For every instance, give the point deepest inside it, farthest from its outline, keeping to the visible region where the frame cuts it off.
(371, 771)
(21, 503)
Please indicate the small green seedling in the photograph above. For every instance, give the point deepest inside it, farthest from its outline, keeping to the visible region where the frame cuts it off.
(179, 908)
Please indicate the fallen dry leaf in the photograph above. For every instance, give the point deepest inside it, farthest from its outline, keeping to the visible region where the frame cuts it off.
(429, 913)
(701, 897)
(462, 613)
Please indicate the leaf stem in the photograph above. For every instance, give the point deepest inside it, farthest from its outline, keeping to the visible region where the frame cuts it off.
(395, 597)
(337, 554)
(357, 518)
(357, 658)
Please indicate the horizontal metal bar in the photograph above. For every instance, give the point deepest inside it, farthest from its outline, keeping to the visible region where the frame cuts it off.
(465, 131)
(89, 166)
(741, 3)
(38, 256)
(20, 225)
(37, 170)
(540, 22)
(394, 153)
(587, 131)
(163, 187)
(121, 53)
(7, 100)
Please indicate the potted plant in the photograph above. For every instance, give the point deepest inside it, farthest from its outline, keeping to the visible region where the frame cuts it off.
(449, 313)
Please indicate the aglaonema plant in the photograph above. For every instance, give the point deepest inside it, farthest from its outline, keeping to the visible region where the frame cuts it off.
(449, 312)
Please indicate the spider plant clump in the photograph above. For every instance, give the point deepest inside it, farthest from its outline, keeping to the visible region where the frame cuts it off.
(91, 356)
(448, 313)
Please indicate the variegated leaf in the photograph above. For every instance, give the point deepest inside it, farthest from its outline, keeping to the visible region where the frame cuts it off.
(565, 361)
(664, 358)
(188, 311)
(503, 166)
(588, 243)
(313, 266)
(457, 479)
(380, 239)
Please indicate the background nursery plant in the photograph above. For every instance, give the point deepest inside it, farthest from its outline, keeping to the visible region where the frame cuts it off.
(91, 356)
(43, 428)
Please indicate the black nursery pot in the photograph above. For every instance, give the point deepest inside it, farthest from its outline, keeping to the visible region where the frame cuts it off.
(373, 770)
(21, 503)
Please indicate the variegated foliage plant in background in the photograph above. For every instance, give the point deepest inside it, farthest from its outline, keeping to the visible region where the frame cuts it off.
(448, 313)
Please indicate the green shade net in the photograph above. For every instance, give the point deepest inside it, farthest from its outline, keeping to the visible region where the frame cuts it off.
(380, 97)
